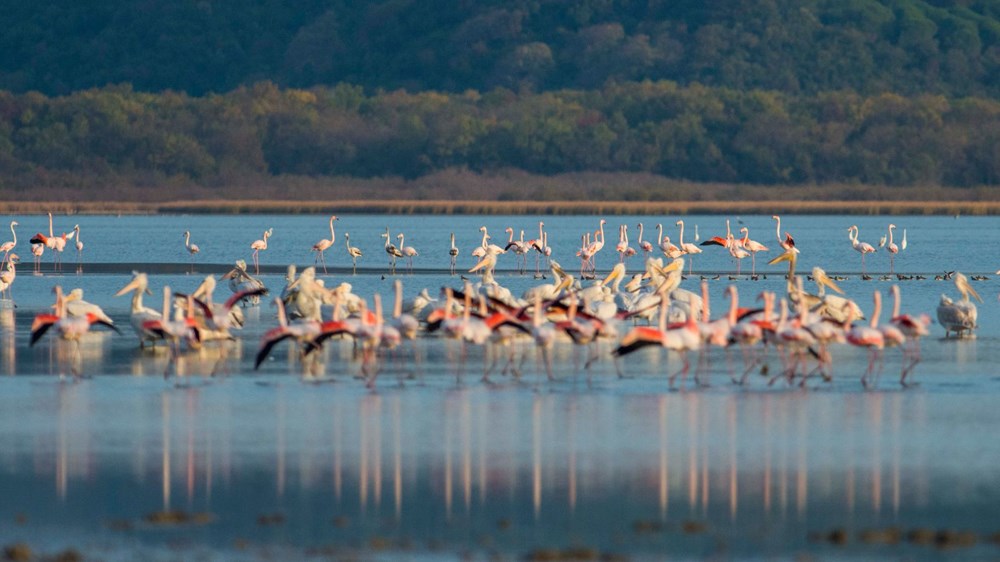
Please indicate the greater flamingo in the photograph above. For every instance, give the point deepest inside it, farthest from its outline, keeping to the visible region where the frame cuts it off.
(257, 246)
(407, 251)
(862, 248)
(8, 246)
(352, 251)
(868, 337)
(323, 245)
(192, 249)
(893, 249)
(687, 248)
(453, 253)
(753, 247)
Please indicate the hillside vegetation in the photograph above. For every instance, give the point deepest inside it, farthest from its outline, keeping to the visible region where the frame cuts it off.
(769, 92)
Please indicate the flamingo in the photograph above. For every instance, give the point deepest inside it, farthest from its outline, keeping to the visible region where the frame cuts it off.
(52, 242)
(682, 339)
(622, 245)
(323, 245)
(726, 242)
(687, 248)
(453, 253)
(7, 277)
(544, 334)
(892, 247)
(645, 245)
(913, 328)
(788, 243)
(192, 249)
(36, 251)
(862, 248)
(596, 246)
(750, 332)
(869, 337)
(302, 330)
(8, 246)
(391, 250)
(753, 247)
(352, 251)
(257, 246)
(70, 328)
(173, 331)
(538, 245)
(79, 244)
(959, 316)
(902, 245)
(519, 247)
(407, 251)
(668, 249)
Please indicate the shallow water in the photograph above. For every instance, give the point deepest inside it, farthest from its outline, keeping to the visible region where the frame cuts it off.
(434, 463)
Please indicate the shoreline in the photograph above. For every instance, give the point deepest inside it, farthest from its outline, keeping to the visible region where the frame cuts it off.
(448, 207)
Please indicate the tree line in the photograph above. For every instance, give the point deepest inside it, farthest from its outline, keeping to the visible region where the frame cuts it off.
(695, 133)
(911, 47)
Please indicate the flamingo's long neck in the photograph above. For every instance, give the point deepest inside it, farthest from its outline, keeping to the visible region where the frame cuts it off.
(401, 239)
(705, 314)
(777, 229)
(729, 233)
(388, 241)
(333, 236)
(891, 227)
(77, 229)
(878, 309)
(485, 234)
(187, 240)
(895, 301)
(540, 233)
(680, 240)
(397, 307)
(734, 301)
(50, 226)
(640, 234)
(602, 232)
(659, 235)
(12, 231)
(453, 241)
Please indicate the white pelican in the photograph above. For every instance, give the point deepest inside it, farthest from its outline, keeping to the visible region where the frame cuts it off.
(139, 313)
(257, 246)
(959, 316)
(323, 245)
(240, 280)
(76, 306)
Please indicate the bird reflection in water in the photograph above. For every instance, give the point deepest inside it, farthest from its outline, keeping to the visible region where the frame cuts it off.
(8, 338)
(544, 463)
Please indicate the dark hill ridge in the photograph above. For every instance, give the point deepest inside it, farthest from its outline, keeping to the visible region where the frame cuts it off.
(909, 47)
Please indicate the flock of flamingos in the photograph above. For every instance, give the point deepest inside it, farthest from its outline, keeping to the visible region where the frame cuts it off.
(649, 309)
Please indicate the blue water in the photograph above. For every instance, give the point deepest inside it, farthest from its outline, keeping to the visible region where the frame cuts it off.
(433, 463)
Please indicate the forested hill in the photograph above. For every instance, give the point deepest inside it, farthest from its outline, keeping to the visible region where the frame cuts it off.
(910, 47)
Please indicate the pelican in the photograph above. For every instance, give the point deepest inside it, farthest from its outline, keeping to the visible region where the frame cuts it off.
(323, 245)
(76, 306)
(959, 316)
(352, 251)
(240, 280)
(139, 313)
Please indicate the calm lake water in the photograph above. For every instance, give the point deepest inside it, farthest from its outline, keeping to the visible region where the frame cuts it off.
(441, 465)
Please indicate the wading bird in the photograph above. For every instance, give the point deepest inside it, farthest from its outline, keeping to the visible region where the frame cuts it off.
(257, 246)
(959, 316)
(323, 245)
(7, 247)
(352, 251)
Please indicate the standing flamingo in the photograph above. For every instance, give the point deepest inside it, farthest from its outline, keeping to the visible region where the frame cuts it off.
(323, 245)
(7, 277)
(352, 251)
(392, 251)
(753, 247)
(893, 249)
(70, 328)
(687, 248)
(192, 249)
(913, 328)
(8, 246)
(645, 245)
(257, 246)
(453, 253)
(79, 245)
(788, 243)
(596, 246)
(862, 248)
(37, 250)
(407, 251)
(868, 337)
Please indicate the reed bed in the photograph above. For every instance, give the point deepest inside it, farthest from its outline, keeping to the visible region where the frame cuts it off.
(451, 207)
